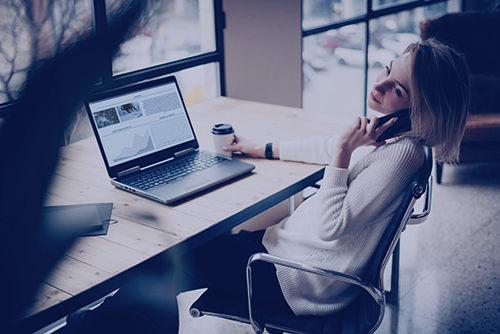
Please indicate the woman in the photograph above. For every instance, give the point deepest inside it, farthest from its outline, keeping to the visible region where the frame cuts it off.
(340, 226)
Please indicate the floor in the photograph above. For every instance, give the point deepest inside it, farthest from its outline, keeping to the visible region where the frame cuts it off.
(450, 265)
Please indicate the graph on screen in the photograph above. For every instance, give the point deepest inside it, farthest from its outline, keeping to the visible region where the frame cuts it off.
(140, 145)
(171, 132)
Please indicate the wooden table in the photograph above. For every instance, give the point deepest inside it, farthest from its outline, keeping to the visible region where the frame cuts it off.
(147, 231)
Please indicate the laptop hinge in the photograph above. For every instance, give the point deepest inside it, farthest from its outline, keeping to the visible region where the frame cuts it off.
(128, 171)
(156, 164)
(188, 150)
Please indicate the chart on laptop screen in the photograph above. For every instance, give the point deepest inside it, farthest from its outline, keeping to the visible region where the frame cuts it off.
(136, 124)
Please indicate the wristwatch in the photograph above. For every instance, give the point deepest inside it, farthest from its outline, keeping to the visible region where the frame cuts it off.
(269, 151)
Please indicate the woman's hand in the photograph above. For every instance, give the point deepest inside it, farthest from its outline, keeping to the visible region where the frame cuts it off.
(247, 147)
(362, 132)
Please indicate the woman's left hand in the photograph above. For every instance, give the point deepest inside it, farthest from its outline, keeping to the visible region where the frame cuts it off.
(362, 132)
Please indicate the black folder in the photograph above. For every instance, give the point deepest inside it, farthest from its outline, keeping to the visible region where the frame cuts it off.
(78, 220)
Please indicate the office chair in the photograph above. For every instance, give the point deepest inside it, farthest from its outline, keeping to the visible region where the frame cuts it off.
(364, 314)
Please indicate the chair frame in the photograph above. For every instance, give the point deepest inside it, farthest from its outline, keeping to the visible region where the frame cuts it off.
(418, 188)
(377, 294)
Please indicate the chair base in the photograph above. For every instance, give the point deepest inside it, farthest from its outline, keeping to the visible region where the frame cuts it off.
(363, 315)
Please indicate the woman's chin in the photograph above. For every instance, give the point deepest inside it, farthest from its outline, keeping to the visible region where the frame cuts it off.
(375, 107)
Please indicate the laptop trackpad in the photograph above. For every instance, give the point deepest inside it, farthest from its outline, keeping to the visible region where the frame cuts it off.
(180, 188)
(190, 182)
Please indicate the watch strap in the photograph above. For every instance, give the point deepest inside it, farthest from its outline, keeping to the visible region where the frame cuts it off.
(269, 151)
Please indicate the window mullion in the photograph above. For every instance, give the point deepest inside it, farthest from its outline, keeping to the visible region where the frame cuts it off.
(100, 24)
(220, 25)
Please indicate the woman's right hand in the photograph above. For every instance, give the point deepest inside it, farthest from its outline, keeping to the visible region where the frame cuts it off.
(245, 146)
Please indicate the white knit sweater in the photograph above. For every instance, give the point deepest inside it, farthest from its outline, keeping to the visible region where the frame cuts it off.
(339, 227)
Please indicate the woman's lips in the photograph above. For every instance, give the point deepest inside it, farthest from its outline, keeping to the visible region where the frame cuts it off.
(373, 97)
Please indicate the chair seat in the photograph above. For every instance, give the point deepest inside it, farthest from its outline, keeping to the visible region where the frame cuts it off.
(360, 316)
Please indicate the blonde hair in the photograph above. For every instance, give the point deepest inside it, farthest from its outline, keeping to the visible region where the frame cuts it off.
(440, 97)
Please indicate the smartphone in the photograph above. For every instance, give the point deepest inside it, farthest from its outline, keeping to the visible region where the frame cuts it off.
(403, 124)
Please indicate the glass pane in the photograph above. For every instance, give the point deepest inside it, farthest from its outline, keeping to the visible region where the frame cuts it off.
(333, 71)
(378, 4)
(320, 12)
(199, 83)
(391, 34)
(175, 30)
(31, 31)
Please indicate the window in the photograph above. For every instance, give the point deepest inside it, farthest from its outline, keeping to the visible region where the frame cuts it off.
(340, 63)
(181, 37)
(333, 74)
(174, 30)
(317, 13)
(30, 31)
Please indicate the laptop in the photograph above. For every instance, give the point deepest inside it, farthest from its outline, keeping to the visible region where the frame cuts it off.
(148, 143)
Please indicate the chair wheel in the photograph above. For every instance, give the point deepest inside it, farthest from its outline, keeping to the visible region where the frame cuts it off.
(195, 313)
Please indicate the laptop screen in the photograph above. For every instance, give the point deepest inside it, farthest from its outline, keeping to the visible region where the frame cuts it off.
(140, 122)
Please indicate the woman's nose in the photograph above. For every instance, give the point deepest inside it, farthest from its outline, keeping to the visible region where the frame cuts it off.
(379, 86)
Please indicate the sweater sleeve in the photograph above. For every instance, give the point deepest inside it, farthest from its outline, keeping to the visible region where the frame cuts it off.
(345, 206)
(317, 150)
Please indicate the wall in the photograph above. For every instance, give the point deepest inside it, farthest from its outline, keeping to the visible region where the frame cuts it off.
(263, 51)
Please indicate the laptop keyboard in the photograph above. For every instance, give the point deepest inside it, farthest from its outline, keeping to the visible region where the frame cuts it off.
(157, 176)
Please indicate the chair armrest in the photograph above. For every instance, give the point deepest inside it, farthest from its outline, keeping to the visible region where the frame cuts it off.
(376, 293)
(419, 218)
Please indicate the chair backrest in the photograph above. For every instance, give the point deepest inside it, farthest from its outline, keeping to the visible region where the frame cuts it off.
(415, 190)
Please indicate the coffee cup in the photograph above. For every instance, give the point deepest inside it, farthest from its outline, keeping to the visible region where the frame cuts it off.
(223, 136)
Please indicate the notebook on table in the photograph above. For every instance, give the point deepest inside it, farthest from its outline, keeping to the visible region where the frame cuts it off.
(148, 143)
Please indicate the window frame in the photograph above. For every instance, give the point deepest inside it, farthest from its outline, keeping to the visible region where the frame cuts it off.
(109, 80)
(372, 14)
